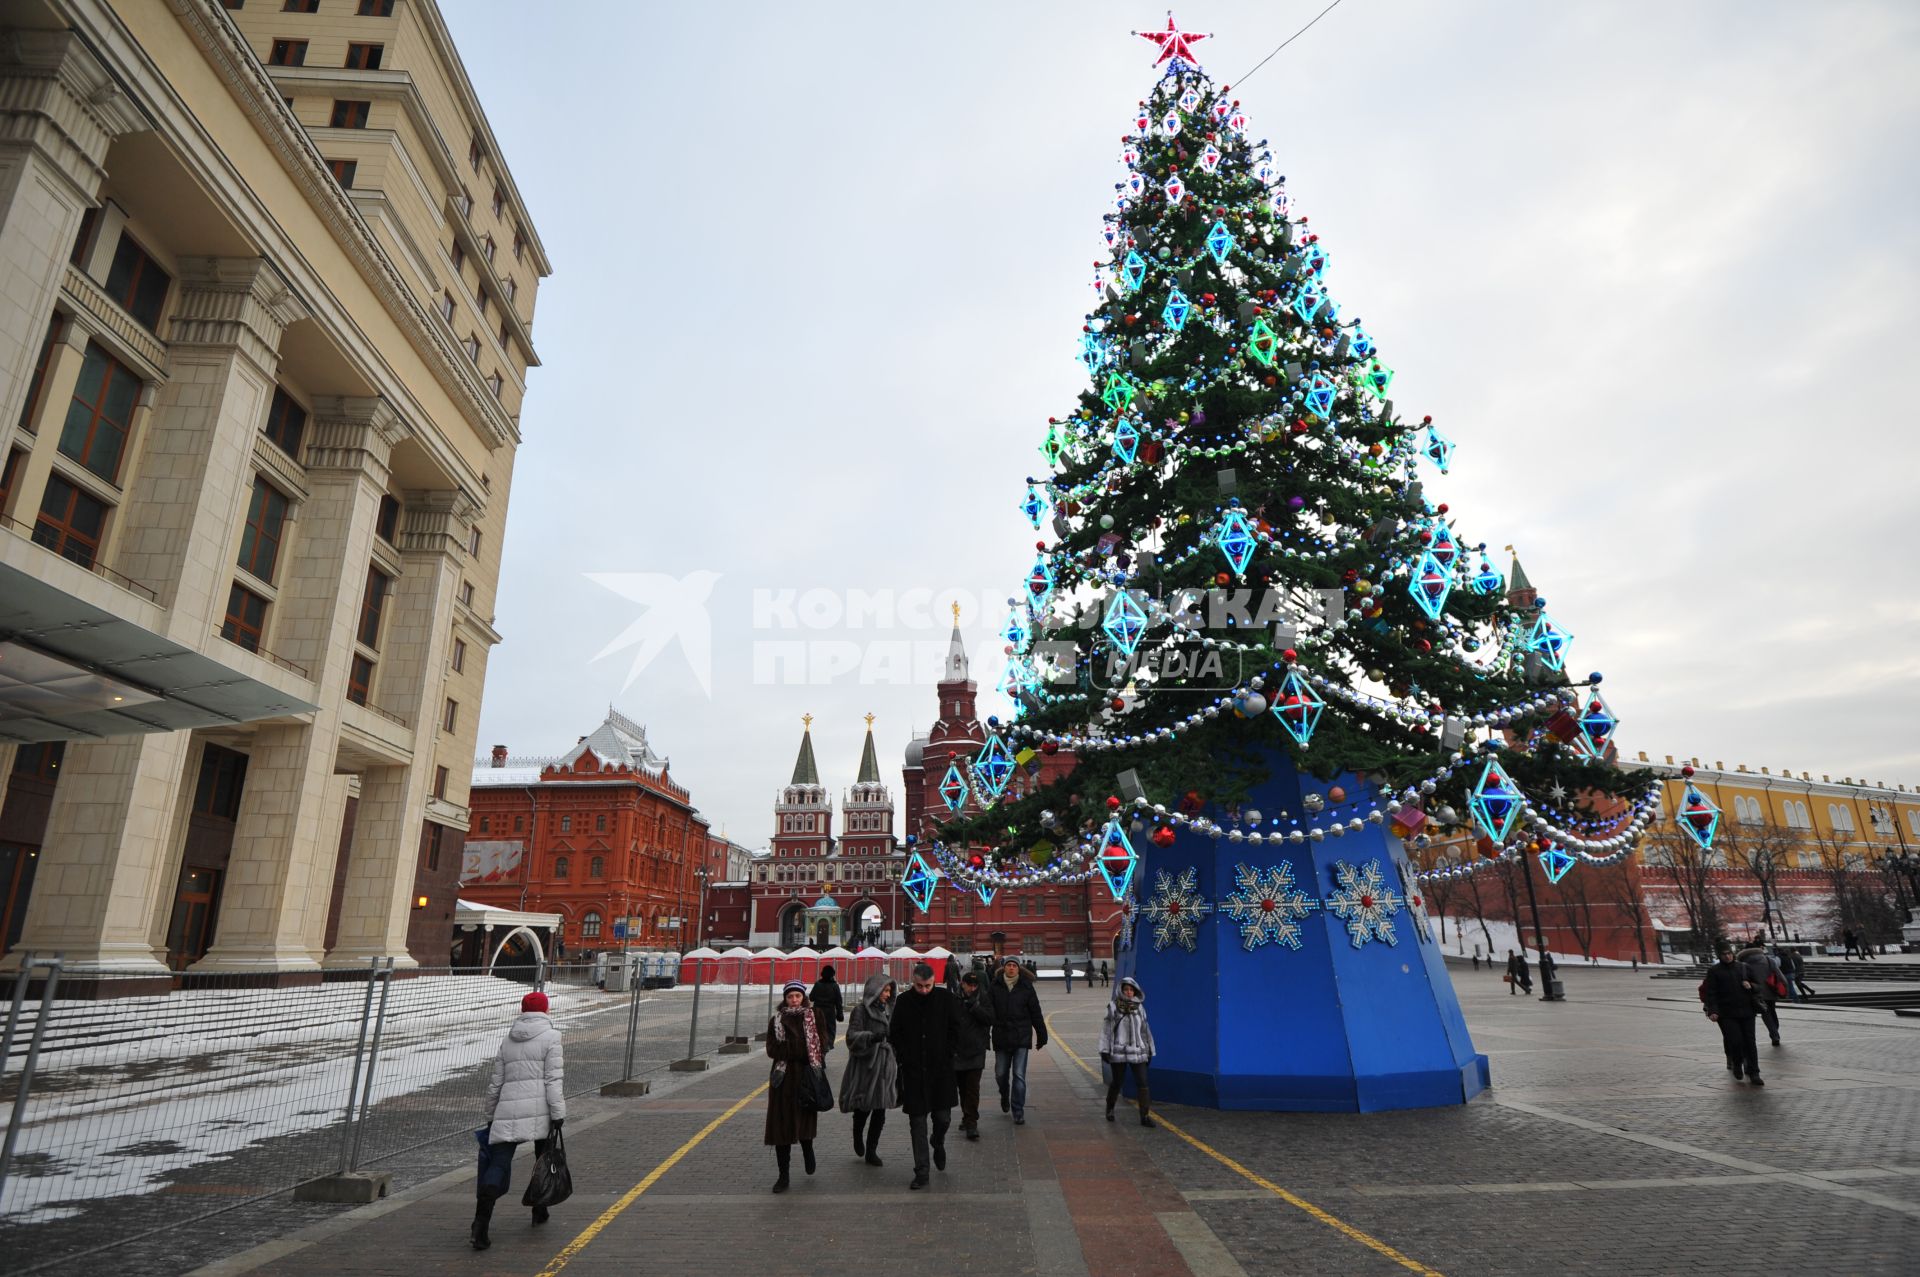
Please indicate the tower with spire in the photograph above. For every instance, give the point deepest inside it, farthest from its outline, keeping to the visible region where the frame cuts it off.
(803, 814)
(866, 813)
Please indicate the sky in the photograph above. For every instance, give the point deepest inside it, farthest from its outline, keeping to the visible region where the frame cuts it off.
(820, 271)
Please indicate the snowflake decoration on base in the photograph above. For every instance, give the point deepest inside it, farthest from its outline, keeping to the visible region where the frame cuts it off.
(1363, 898)
(1176, 909)
(1267, 906)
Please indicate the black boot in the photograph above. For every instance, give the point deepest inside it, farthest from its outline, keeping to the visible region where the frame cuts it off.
(1146, 1103)
(783, 1157)
(875, 1121)
(806, 1155)
(540, 1216)
(859, 1134)
(482, 1212)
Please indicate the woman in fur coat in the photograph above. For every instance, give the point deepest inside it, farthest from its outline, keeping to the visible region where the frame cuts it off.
(871, 1084)
(1126, 1042)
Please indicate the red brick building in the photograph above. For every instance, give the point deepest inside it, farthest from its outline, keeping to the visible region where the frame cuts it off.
(1048, 920)
(815, 888)
(600, 834)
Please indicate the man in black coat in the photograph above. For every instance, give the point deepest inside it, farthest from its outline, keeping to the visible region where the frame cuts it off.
(926, 1028)
(1729, 997)
(1017, 1026)
(828, 1008)
(970, 1050)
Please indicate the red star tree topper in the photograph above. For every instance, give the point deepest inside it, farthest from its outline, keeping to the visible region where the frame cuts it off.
(1175, 44)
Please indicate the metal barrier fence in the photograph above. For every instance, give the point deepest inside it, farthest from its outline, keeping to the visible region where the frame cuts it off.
(134, 1115)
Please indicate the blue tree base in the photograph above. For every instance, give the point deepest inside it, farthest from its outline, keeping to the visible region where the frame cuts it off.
(1328, 1027)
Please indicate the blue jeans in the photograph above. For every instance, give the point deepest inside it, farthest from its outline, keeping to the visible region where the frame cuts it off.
(1010, 1072)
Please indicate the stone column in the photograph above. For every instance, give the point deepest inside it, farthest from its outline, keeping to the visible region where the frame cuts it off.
(194, 473)
(273, 910)
(100, 886)
(59, 111)
(386, 825)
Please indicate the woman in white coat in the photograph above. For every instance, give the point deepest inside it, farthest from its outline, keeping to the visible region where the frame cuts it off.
(526, 1100)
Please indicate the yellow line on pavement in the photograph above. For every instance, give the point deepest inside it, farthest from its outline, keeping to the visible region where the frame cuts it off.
(1331, 1221)
(632, 1195)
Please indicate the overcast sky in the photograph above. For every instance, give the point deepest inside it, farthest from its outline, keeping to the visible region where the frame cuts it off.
(820, 272)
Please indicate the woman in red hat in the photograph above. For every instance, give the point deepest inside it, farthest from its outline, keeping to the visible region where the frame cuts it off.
(526, 1100)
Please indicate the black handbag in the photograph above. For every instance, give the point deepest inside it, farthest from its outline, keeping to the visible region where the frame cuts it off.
(777, 1075)
(552, 1182)
(817, 1095)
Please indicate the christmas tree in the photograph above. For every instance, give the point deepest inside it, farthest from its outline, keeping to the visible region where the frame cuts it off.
(1273, 660)
(1239, 563)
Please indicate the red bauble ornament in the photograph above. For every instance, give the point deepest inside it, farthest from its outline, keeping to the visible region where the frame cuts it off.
(1118, 704)
(1686, 771)
(1289, 655)
(1050, 747)
(1163, 836)
(1336, 795)
(1190, 802)
(1222, 579)
(1441, 508)
(1113, 803)
(1350, 575)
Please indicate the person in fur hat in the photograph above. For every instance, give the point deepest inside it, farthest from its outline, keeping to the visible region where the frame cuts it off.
(1126, 1042)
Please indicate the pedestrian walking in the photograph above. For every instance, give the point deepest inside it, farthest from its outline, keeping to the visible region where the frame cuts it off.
(526, 1100)
(1105, 977)
(1126, 1043)
(871, 1084)
(828, 1008)
(1852, 943)
(1066, 966)
(1018, 1026)
(926, 1027)
(1476, 957)
(793, 1044)
(970, 1050)
(1547, 969)
(1764, 973)
(1796, 968)
(1728, 996)
(1519, 979)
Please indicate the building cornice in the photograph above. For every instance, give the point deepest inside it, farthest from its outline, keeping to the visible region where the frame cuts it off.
(233, 60)
(442, 39)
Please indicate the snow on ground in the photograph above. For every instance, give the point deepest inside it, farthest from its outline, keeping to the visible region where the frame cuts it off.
(1464, 936)
(128, 1091)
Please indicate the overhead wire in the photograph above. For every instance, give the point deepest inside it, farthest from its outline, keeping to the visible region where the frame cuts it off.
(1289, 40)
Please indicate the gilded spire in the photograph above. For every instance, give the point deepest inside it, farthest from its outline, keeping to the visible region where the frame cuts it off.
(805, 772)
(869, 763)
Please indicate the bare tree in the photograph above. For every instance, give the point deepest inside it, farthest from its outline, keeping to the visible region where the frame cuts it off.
(1440, 888)
(1760, 850)
(1577, 891)
(1701, 896)
(1476, 890)
(1623, 891)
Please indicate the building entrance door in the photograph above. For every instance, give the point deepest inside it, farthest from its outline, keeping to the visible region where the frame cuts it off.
(195, 907)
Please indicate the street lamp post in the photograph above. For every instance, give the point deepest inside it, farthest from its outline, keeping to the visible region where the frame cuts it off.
(1547, 979)
(700, 923)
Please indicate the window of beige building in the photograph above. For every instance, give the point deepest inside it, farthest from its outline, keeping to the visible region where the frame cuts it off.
(459, 661)
(350, 115)
(364, 57)
(138, 283)
(287, 53)
(286, 423)
(101, 413)
(71, 522)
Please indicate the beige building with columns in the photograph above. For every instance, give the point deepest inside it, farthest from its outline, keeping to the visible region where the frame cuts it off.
(266, 292)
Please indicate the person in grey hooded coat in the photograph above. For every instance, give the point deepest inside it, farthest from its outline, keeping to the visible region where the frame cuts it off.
(1126, 1043)
(526, 1099)
(871, 1084)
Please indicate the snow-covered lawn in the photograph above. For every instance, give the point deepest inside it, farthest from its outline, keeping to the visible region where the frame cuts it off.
(129, 1091)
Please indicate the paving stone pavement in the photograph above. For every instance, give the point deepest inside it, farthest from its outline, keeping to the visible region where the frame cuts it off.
(1613, 1141)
